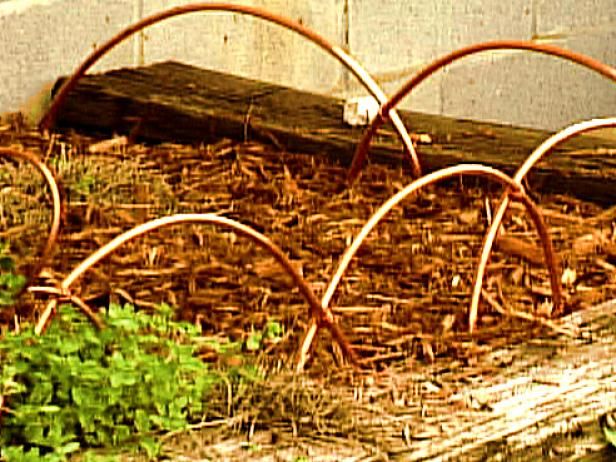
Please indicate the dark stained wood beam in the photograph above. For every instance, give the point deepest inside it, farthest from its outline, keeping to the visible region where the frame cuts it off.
(180, 103)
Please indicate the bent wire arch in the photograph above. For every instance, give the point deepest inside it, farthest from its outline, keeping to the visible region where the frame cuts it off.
(317, 314)
(338, 53)
(362, 148)
(415, 186)
(497, 219)
(54, 229)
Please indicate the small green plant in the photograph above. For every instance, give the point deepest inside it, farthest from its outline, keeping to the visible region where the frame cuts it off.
(84, 186)
(271, 333)
(77, 387)
(10, 282)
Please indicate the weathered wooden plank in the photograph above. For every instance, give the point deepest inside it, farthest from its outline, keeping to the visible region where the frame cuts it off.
(181, 103)
(545, 404)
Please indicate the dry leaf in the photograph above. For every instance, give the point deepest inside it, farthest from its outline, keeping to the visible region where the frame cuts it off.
(569, 277)
(447, 323)
(518, 248)
(269, 268)
(545, 309)
(517, 275)
(115, 144)
(469, 217)
(421, 138)
(589, 243)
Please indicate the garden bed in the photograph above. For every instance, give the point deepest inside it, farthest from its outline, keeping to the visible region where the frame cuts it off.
(403, 302)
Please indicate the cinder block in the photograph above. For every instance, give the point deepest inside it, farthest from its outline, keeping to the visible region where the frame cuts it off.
(574, 16)
(396, 39)
(470, 21)
(40, 40)
(533, 90)
(391, 35)
(393, 40)
(252, 47)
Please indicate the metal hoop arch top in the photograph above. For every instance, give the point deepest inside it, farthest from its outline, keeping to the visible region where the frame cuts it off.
(490, 236)
(413, 187)
(552, 50)
(55, 198)
(461, 169)
(344, 58)
(316, 312)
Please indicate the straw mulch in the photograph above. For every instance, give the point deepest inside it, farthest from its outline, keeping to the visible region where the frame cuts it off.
(403, 302)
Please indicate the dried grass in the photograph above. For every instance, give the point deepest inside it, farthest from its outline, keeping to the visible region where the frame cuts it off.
(402, 303)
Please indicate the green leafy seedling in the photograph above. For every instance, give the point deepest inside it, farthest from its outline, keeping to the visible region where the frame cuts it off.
(608, 425)
(77, 388)
(254, 340)
(11, 283)
(274, 331)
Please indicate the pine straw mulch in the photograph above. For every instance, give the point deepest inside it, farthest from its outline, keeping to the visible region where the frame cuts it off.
(402, 303)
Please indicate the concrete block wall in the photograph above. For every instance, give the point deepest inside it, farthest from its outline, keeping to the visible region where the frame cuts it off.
(41, 39)
(249, 46)
(395, 38)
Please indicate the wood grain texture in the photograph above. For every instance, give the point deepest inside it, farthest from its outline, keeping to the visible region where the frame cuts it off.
(180, 103)
(544, 405)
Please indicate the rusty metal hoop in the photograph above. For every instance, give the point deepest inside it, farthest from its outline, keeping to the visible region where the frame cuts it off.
(338, 53)
(490, 236)
(413, 187)
(54, 229)
(317, 314)
(552, 50)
